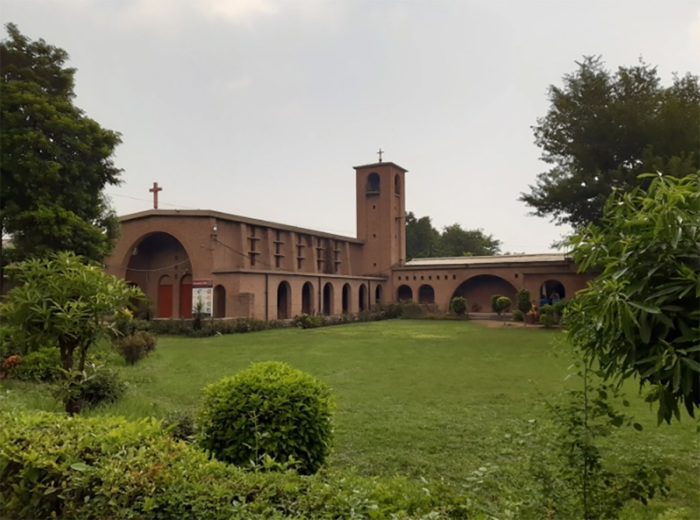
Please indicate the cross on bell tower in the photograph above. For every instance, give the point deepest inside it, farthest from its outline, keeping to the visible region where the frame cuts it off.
(379, 153)
(155, 189)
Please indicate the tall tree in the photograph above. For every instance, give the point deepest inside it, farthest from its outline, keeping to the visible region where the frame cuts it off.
(604, 129)
(421, 237)
(54, 161)
(424, 241)
(455, 241)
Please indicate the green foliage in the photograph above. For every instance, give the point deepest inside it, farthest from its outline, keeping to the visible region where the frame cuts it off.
(268, 410)
(458, 305)
(135, 346)
(421, 237)
(455, 241)
(424, 241)
(108, 468)
(494, 302)
(503, 303)
(518, 316)
(181, 424)
(308, 321)
(524, 301)
(62, 302)
(411, 310)
(640, 317)
(604, 129)
(90, 387)
(54, 162)
(576, 479)
(40, 365)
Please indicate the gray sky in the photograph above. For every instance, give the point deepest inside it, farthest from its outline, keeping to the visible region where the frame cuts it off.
(261, 107)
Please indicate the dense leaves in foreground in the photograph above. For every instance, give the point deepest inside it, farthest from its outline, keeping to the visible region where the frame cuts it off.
(640, 317)
(110, 468)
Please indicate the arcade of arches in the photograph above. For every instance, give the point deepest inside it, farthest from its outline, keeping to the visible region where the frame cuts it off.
(250, 268)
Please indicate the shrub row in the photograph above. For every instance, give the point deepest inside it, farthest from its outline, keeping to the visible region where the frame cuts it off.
(110, 468)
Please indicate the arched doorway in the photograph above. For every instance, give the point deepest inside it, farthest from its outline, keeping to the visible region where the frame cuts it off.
(307, 298)
(159, 264)
(165, 297)
(363, 297)
(552, 290)
(328, 299)
(284, 301)
(479, 289)
(346, 298)
(219, 301)
(426, 294)
(404, 293)
(378, 294)
(186, 296)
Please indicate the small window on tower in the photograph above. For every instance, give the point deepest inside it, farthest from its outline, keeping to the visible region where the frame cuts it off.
(373, 183)
(397, 185)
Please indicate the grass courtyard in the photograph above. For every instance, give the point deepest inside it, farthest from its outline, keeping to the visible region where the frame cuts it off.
(451, 401)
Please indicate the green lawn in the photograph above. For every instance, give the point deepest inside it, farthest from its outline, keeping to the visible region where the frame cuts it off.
(433, 399)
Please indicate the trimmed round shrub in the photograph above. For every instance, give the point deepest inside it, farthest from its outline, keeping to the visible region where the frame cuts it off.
(518, 316)
(269, 410)
(459, 305)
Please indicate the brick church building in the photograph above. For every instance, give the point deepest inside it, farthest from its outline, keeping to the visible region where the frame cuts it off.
(236, 266)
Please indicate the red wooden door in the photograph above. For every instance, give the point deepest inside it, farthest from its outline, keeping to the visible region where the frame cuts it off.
(186, 299)
(165, 301)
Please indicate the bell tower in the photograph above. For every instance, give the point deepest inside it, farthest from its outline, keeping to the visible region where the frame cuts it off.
(381, 215)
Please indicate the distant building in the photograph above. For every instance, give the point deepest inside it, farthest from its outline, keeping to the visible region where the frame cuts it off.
(242, 267)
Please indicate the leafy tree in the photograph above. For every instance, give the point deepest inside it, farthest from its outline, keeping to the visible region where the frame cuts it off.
(424, 241)
(640, 317)
(421, 237)
(501, 304)
(455, 241)
(604, 129)
(62, 302)
(55, 161)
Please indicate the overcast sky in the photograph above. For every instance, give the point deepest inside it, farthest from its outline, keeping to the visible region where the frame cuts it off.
(262, 107)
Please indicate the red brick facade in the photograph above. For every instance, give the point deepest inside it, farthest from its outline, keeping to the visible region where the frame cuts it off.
(268, 270)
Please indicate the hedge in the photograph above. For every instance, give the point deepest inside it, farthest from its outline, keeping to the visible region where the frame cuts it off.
(109, 468)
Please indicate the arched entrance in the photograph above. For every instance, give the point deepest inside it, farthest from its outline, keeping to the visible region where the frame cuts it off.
(159, 264)
(307, 298)
(404, 293)
(479, 289)
(378, 294)
(328, 299)
(186, 296)
(219, 301)
(346, 298)
(363, 297)
(426, 294)
(552, 290)
(284, 301)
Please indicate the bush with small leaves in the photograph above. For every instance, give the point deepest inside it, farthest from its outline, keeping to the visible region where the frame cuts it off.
(268, 410)
(40, 365)
(411, 310)
(503, 303)
(308, 321)
(458, 305)
(518, 316)
(136, 346)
